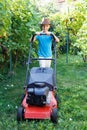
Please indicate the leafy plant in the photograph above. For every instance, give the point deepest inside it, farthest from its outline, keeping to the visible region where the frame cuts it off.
(5, 18)
(81, 42)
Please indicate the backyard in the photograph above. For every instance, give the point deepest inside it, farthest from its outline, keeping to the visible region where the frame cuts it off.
(19, 21)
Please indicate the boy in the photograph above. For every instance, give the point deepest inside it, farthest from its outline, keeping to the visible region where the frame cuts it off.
(45, 43)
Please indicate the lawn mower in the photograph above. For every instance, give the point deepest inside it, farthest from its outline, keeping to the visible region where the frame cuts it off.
(39, 100)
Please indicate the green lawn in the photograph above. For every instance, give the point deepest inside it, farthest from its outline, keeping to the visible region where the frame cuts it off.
(72, 90)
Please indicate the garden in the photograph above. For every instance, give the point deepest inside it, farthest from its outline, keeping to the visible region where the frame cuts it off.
(19, 20)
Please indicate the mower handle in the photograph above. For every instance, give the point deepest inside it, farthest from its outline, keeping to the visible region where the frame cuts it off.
(42, 58)
(42, 34)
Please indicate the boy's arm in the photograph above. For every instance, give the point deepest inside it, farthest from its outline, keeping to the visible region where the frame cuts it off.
(56, 38)
(34, 36)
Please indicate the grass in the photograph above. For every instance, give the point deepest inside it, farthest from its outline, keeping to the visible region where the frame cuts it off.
(72, 90)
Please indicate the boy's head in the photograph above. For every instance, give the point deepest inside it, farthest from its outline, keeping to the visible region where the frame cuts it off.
(45, 24)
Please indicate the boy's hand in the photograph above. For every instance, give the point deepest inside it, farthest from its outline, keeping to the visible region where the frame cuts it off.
(37, 33)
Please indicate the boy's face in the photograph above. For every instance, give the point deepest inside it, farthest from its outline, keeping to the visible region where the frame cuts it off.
(45, 27)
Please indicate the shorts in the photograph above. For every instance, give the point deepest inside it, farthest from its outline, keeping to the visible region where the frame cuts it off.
(45, 63)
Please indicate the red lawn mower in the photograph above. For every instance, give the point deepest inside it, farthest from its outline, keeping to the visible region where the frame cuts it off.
(39, 100)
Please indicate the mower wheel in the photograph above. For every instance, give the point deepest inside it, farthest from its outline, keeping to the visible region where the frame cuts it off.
(57, 98)
(22, 97)
(20, 114)
(54, 115)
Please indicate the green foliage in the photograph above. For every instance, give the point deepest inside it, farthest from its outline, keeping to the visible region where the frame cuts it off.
(70, 24)
(81, 42)
(22, 26)
(5, 18)
(46, 9)
(23, 18)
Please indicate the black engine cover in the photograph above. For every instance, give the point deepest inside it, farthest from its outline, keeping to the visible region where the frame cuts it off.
(37, 96)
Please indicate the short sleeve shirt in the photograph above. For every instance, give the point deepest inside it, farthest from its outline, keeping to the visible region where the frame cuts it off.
(45, 44)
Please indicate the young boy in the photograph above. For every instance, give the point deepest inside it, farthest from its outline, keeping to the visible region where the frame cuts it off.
(45, 43)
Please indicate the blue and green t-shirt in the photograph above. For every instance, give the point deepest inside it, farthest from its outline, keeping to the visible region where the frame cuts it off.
(45, 44)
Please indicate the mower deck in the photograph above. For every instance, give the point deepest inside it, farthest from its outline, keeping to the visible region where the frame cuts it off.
(39, 112)
(34, 112)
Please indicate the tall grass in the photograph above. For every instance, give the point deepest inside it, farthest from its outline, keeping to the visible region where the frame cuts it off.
(71, 88)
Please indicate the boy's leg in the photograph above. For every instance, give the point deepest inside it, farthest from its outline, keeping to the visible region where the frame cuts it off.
(47, 63)
(42, 62)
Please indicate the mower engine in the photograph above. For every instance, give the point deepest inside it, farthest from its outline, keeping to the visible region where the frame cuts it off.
(37, 96)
